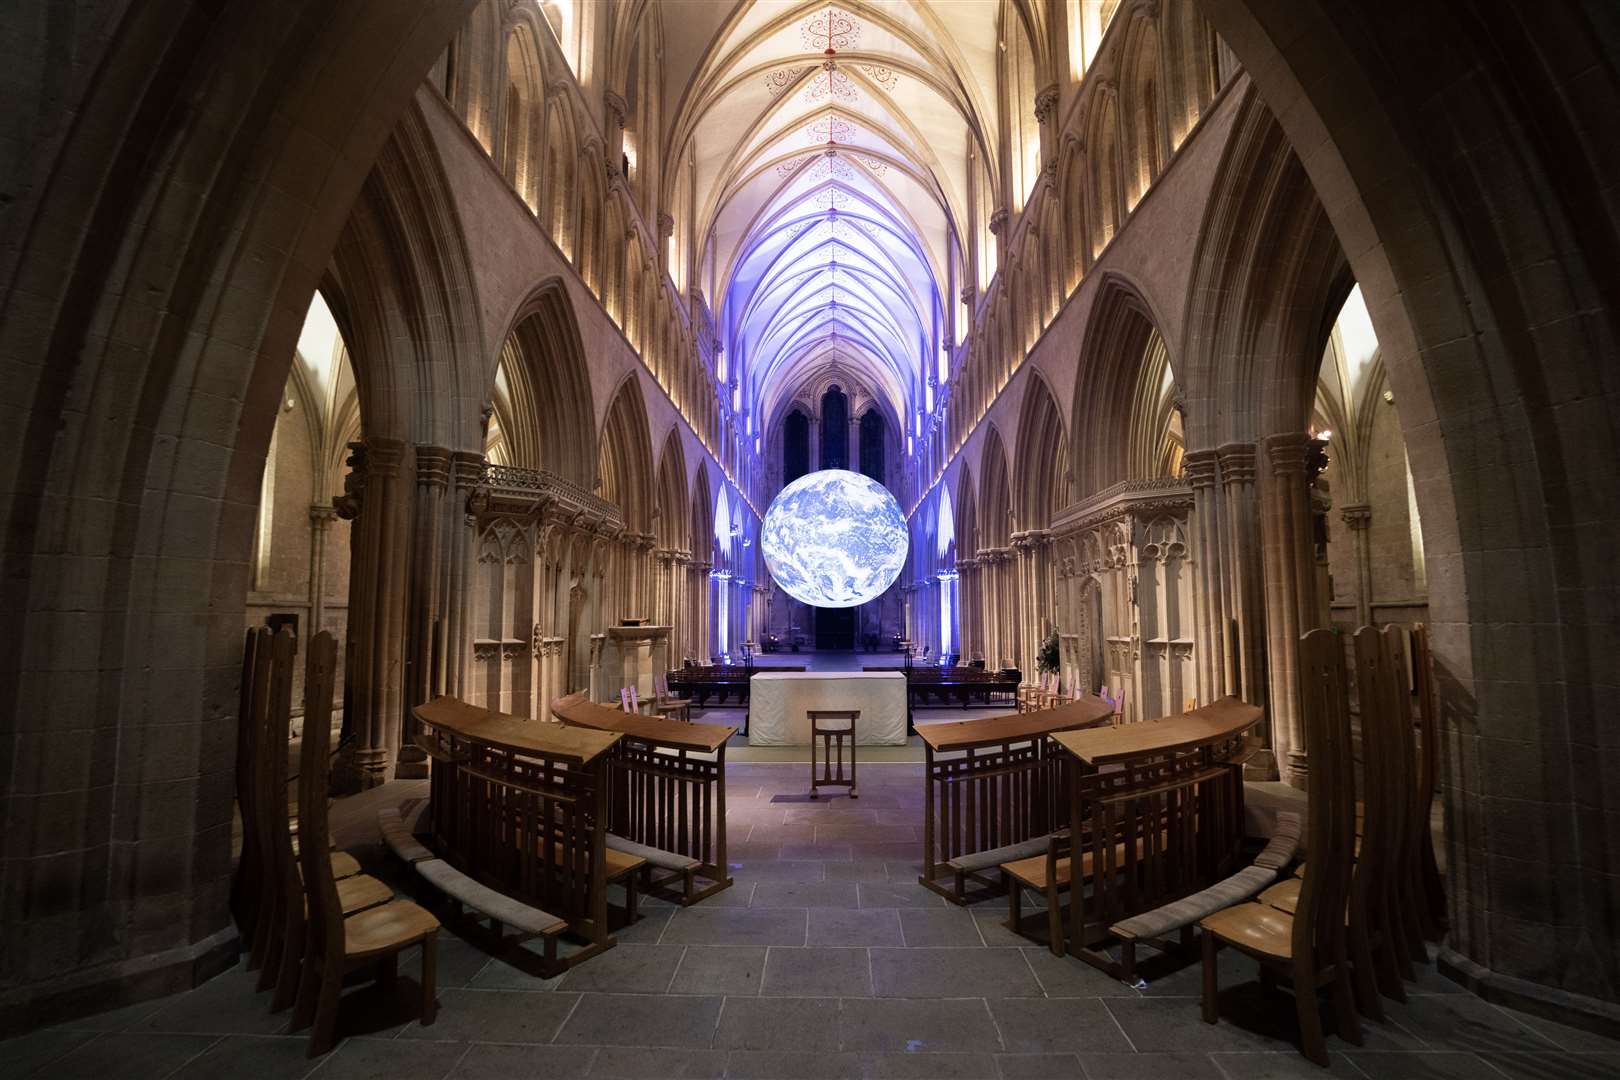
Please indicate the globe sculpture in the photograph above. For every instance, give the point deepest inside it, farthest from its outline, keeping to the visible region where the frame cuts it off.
(835, 539)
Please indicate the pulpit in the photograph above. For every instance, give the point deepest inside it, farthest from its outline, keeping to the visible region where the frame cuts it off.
(629, 656)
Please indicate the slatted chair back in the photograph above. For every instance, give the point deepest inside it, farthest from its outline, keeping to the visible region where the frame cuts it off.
(324, 940)
(1387, 765)
(1319, 940)
(628, 701)
(1403, 884)
(282, 874)
(265, 901)
(246, 885)
(1428, 710)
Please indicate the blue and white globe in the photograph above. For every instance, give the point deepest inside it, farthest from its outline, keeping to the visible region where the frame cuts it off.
(835, 539)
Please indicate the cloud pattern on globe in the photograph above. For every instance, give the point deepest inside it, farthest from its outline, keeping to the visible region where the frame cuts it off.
(835, 539)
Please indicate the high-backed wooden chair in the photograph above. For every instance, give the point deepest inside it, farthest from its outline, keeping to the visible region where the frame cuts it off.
(1370, 907)
(1432, 910)
(336, 944)
(262, 796)
(247, 882)
(284, 949)
(668, 705)
(1308, 946)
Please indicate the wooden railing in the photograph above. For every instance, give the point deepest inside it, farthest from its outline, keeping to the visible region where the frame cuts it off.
(1158, 807)
(666, 784)
(994, 782)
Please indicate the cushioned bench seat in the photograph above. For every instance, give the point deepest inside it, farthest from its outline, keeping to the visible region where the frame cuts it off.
(984, 860)
(1243, 885)
(399, 838)
(664, 860)
(481, 898)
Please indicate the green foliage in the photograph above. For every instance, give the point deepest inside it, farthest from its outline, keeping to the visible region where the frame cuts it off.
(1046, 660)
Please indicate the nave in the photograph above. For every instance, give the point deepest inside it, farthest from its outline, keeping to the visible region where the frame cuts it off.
(1181, 430)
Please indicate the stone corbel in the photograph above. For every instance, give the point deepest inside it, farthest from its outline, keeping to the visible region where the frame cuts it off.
(1046, 103)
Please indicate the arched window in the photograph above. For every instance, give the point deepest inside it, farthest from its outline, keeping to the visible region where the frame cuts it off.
(834, 429)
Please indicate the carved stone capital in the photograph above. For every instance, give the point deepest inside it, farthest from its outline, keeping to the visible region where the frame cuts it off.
(998, 221)
(321, 515)
(617, 107)
(1202, 467)
(1286, 453)
(666, 225)
(1237, 462)
(433, 467)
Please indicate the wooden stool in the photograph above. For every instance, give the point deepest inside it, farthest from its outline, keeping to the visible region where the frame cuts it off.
(832, 741)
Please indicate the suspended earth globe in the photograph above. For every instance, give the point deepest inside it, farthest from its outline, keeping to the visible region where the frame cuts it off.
(835, 539)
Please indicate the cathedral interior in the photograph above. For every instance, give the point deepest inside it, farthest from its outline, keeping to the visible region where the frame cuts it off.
(1248, 363)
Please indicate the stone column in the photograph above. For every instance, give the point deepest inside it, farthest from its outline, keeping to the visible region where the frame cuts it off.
(1357, 517)
(376, 499)
(698, 577)
(429, 539)
(1242, 593)
(466, 475)
(1214, 665)
(321, 516)
(553, 684)
(1290, 582)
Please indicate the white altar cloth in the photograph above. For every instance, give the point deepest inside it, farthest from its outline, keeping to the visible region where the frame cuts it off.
(778, 701)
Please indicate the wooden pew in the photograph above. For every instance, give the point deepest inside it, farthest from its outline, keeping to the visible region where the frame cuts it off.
(1156, 814)
(666, 793)
(519, 820)
(993, 790)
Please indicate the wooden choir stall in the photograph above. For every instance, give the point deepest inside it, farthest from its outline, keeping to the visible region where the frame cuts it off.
(994, 789)
(518, 814)
(666, 793)
(1155, 814)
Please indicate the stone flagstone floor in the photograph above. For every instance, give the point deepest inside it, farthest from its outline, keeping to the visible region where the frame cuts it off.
(826, 959)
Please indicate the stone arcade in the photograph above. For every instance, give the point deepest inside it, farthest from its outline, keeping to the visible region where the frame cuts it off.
(465, 343)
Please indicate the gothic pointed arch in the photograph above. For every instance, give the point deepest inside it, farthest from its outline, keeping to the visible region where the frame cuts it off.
(1124, 390)
(542, 399)
(1042, 483)
(995, 504)
(673, 514)
(625, 461)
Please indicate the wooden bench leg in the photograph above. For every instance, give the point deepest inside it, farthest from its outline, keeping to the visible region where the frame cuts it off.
(1054, 922)
(1015, 893)
(1127, 962)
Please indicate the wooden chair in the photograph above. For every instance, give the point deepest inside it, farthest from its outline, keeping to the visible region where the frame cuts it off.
(247, 882)
(832, 740)
(1370, 910)
(628, 700)
(1432, 910)
(667, 705)
(284, 945)
(336, 945)
(1308, 946)
(262, 797)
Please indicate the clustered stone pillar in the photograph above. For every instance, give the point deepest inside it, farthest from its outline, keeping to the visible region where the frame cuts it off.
(1290, 580)
(374, 699)
(1214, 664)
(466, 474)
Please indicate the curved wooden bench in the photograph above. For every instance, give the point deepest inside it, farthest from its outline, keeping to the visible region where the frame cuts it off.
(399, 838)
(971, 822)
(1181, 914)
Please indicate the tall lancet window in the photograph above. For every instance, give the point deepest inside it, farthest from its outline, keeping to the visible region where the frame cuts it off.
(795, 446)
(834, 429)
(872, 445)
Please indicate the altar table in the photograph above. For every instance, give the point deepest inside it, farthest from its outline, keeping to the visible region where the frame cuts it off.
(779, 700)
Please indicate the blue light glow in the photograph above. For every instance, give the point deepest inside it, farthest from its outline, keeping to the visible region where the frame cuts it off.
(835, 539)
